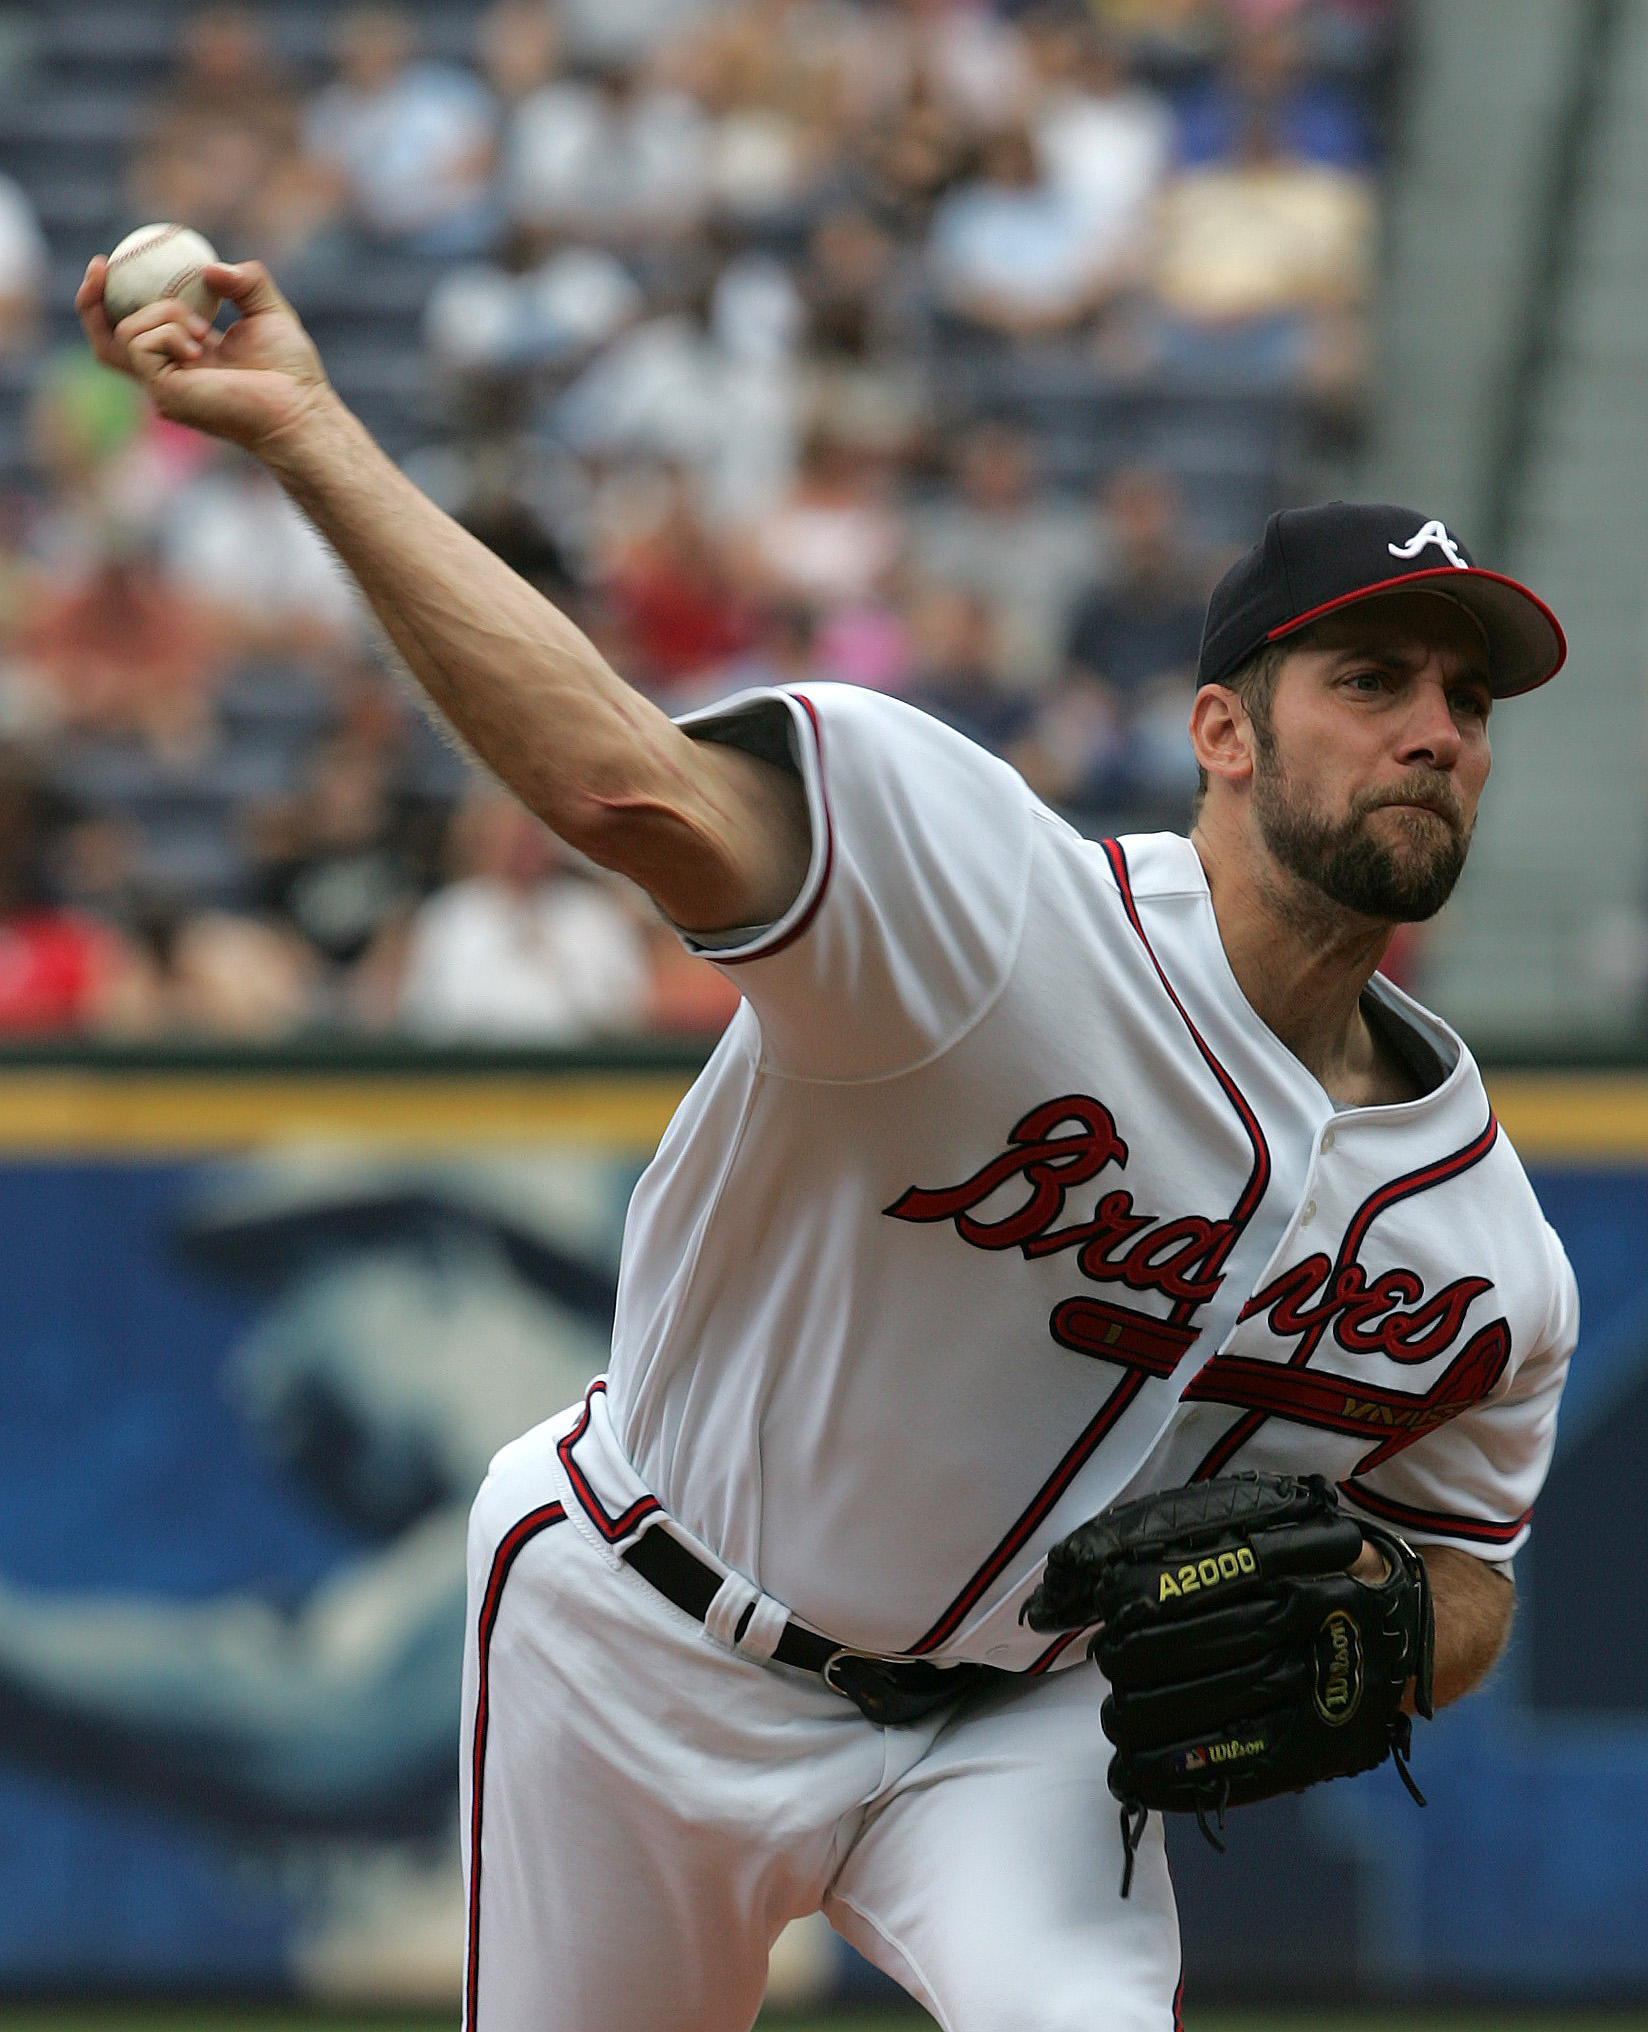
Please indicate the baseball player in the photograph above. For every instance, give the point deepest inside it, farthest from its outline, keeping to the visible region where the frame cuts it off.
(1033, 1176)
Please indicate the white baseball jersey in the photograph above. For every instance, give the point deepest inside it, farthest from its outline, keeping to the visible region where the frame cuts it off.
(997, 1202)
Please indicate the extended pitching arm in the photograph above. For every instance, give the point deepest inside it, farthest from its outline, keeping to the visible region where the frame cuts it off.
(716, 837)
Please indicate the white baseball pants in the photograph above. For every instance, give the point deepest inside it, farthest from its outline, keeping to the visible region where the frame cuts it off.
(643, 1812)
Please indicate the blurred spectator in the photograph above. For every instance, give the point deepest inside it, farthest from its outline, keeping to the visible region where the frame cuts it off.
(686, 996)
(56, 967)
(1144, 621)
(232, 537)
(82, 418)
(1112, 733)
(678, 605)
(834, 540)
(909, 156)
(850, 285)
(518, 43)
(109, 466)
(413, 140)
(1265, 81)
(977, 61)
(216, 974)
(482, 320)
(1018, 255)
(513, 505)
(619, 34)
(785, 651)
(331, 862)
(1026, 552)
(1171, 39)
(1105, 143)
(126, 650)
(723, 400)
(1266, 265)
(954, 678)
(22, 268)
(622, 162)
(227, 125)
(520, 947)
(768, 142)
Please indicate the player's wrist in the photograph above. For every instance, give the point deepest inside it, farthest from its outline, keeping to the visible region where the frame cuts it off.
(317, 436)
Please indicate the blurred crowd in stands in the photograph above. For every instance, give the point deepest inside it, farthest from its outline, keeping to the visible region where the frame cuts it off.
(775, 341)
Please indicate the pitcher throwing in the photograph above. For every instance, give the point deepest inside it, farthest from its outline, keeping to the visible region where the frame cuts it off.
(1034, 1176)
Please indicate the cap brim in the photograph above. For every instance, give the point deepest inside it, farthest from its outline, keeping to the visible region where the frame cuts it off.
(1526, 645)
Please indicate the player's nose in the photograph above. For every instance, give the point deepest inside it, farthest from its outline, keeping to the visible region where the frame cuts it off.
(1430, 731)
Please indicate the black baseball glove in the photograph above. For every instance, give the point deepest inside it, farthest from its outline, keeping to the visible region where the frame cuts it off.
(1243, 1660)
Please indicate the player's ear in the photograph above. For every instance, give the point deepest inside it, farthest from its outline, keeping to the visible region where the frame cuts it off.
(1222, 734)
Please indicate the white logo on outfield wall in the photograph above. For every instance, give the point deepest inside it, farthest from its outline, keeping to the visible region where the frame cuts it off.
(1428, 533)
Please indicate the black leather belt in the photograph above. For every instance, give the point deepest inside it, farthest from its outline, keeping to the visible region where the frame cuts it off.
(888, 1691)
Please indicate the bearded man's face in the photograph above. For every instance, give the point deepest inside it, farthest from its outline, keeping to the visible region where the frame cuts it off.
(1371, 758)
(1402, 874)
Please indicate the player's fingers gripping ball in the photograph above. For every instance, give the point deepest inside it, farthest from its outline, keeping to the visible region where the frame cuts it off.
(1243, 1659)
(158, 263)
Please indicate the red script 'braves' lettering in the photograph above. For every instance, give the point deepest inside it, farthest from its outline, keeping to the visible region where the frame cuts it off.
(1061, 1144)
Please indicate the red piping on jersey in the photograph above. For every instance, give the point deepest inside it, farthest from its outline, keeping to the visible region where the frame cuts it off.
(1134, 1381)
(1259, 1177)
(1054, 1651)
(1480, 1530)
(503, 1559)
(1413, 1182)
(766, 952)
(1178, 2002)
(1048, 1494)
(610, 1528)
(1229, 1446)
(1410, 1183)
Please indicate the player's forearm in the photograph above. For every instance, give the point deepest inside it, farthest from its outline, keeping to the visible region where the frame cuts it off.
(1474, 1602)
(527, 689)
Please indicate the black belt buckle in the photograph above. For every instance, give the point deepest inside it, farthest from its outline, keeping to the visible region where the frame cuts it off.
(893, 1692)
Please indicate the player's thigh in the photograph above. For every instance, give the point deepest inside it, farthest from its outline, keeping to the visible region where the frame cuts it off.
(989, 1880)
(636, 1831)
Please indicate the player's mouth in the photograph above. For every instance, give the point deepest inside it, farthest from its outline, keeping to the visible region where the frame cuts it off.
(1445, 808)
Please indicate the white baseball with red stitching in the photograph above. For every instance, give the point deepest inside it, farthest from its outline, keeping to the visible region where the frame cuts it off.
(156, 262)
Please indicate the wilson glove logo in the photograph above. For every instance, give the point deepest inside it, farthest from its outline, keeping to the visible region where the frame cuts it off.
(1208, 1756)
(1338, 1688)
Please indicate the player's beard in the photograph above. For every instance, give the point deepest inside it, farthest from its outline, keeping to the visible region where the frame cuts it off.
(1401, 883)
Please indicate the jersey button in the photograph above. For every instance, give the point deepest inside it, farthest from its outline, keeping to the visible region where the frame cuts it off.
(1328, 1139)
(1309, 1213)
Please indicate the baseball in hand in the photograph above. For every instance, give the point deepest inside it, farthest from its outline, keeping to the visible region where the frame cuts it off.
(157, 262)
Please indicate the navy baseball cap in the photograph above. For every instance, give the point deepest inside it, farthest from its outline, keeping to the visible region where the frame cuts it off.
(1313, 561)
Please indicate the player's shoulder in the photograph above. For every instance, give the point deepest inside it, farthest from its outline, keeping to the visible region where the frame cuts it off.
(856, 713)
(1157, 867)
(1462, 1095)
(848, 733)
